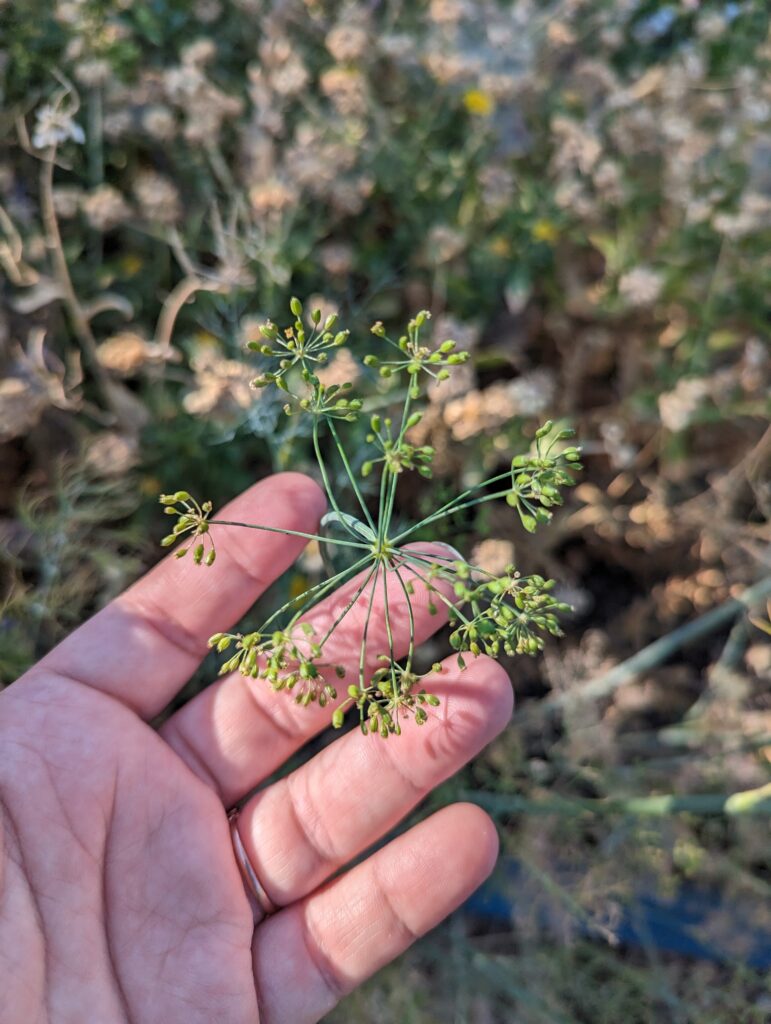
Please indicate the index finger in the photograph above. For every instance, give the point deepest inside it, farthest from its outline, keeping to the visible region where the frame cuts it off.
(144, 646)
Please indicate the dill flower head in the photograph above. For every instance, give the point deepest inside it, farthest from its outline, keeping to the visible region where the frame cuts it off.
(491, 608)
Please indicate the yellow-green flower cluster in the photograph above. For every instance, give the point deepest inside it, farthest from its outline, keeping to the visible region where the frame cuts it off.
(284, 659)
(192, 524)
(415, 357)
(296, 346)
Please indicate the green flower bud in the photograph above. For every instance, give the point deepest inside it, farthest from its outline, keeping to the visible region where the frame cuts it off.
(338, 717)
(296, 306)
(544, 430)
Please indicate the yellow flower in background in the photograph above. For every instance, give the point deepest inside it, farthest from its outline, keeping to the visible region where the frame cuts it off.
(149, 486)
(478, 102)
(205, 339)
(500, 246)
(298, 584)
(544, 231)
(131, 264)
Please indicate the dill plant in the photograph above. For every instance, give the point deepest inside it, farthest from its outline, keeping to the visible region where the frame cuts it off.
(508, 614)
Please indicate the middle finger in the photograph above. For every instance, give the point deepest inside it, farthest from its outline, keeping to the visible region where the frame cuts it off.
(306, 826)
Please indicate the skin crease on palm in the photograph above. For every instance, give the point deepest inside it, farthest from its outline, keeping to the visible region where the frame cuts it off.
(120, 897)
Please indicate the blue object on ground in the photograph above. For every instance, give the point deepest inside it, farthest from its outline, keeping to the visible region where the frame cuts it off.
(697, 922)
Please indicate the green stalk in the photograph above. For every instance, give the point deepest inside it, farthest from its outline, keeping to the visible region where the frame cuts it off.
(395, 476)
(659, 650)
(434, 590)
(381, 504)
(319, 590)
(749, 802)
(291, 533)
(449, 569)
(351, 477)
(389, 634)
(325, 477)
(348, 607)
(410, 616)
(363, 648)
(452, 506)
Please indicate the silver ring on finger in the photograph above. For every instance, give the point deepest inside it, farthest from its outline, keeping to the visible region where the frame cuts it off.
(261, 903)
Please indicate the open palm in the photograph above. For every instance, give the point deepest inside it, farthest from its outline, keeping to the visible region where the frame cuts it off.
(120, 896)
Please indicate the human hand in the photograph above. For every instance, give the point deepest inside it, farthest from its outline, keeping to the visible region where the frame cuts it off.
(120, 894)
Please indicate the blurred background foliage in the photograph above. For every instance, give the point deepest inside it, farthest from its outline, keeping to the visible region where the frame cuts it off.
(580, 191)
